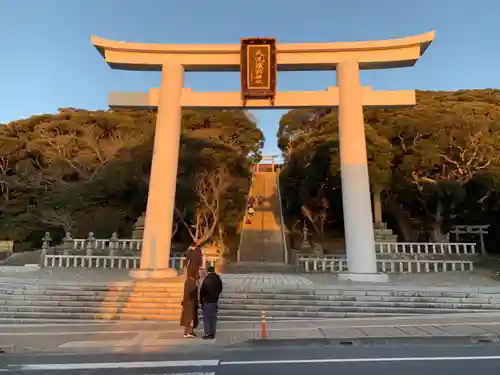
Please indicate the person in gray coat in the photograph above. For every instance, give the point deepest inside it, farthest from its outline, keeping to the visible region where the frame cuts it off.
(210, 291)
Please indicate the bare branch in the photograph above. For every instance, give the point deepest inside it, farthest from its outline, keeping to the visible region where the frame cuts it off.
(59, 218)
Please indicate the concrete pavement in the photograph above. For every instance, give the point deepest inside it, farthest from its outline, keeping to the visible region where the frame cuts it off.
(391, 359)
(121, 337)
(100, 276)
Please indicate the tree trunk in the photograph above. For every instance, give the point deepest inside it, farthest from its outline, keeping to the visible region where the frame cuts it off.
(435, 234)
(403, 221)
(377, 208)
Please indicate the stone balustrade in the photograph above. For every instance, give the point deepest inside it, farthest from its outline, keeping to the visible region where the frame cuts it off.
(401, 257)
(307, 263)
(393, 257)
(90, 261)
(106, 261)
(91, 252)
(90, 245)
(124, 245)
(415, 248)
(115, 246)
(312, 263)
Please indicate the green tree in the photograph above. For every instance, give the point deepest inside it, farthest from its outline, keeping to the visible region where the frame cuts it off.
(429, 164)
(87, 171)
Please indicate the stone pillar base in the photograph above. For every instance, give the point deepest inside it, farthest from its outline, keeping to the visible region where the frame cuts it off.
(364, 277)
(143, 274)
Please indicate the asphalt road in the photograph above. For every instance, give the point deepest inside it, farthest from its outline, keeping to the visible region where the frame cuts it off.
(358, 360)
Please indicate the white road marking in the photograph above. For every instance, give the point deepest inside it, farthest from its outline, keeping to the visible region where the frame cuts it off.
(216, 362)
(350, 360)
(112, 365)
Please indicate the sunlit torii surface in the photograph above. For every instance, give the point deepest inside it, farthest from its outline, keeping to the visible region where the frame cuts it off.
(347, 58)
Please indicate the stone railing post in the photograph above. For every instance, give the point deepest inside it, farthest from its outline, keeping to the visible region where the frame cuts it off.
(113, 244)
(67, 243)
(46, 239)
(90, 244)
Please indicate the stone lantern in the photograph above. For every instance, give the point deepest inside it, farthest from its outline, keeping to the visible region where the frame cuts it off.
(305, 245)
(138, 230)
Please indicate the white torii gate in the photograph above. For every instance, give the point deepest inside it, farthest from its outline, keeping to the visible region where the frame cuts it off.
(271, 158)
(347, 58)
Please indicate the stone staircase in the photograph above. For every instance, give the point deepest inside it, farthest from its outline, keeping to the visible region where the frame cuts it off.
(258, 267)
(24, 303)
(385, 235)
(261, 239)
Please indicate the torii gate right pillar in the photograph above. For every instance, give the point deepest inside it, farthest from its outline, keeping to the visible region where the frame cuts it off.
(358, 218)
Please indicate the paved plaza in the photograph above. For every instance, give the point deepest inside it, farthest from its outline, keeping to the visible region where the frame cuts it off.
(90, 276)
(123, 337)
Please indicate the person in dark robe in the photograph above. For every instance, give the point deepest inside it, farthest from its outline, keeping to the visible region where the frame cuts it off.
(194, 261)
(261, 201)
(210, 291)
(251, 201)
(189, 313)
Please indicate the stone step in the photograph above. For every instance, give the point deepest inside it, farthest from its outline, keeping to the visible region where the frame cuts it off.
(369, 289)
(266, 289)
(318, 293)
(224, 318)
(94, 309)
(252, 267)
(97, 287)
(281, 310)
(354, 297)
(283, 298)
(85, 316)
(62, 292)
(247, 297)
(415, 297)
(353, 307)
(83, 304)
(272, 304)
(31, 284)
(42, 321)
(108, 313)
(56, 316)
(87, 299)
(68, 290)
(243, 298)
(298, 305)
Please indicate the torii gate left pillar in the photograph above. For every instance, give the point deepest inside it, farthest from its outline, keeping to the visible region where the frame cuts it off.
(349, 96)
(157, 239)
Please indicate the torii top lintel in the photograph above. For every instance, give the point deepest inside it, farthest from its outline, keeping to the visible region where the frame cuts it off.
(377, 54)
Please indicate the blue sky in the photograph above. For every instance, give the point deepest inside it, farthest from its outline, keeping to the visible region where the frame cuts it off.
(48, 61)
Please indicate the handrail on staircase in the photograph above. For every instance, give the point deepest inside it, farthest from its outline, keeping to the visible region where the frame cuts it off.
(238, 253)
(282, 226)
